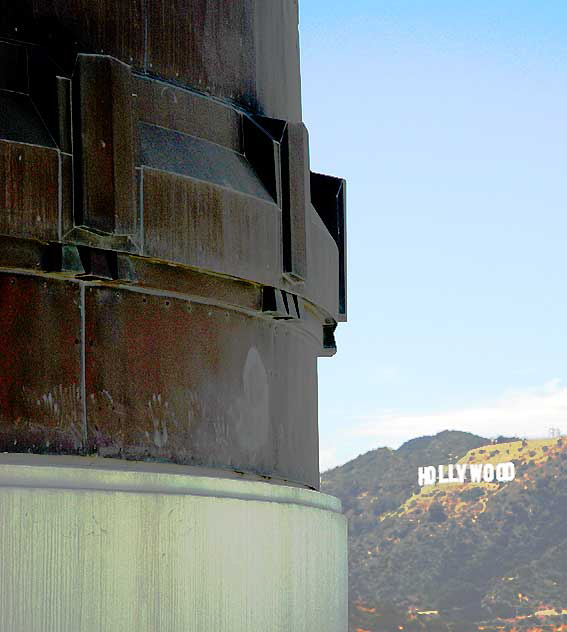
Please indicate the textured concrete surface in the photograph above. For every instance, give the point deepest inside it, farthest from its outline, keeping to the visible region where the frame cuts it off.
(140, 549)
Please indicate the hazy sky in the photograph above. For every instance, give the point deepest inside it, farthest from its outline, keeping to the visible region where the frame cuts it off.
(449, 121)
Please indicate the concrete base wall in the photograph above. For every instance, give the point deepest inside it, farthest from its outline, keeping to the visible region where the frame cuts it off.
(93, 544)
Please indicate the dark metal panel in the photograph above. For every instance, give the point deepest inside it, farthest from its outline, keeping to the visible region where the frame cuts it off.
(20, 121)
(64, 124)
(16, 20)
(175, 278)
(246, 50)
(278, 83)
(209, 45)
(164, 380)
(294, 403)
(29, 191)
(40, 365)
(175, 108)
(182, 154)
(328, 195)
(67, 220)
(104, 135)
(51, 96)
(16, 252)
(198, 384)
(296, 195)
(281, 305)
(104, 27)
(263, 152)
(210, 227)
(13, 67)
(322, 286)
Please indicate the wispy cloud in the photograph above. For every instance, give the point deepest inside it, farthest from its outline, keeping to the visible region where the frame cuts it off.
(529, 412)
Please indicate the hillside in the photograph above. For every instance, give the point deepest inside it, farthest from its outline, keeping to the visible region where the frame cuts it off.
(460, 556)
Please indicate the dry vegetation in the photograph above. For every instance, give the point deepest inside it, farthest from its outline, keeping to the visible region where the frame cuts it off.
(457, 557)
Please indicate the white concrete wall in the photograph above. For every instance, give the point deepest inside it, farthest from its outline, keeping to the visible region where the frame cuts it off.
(85, 547)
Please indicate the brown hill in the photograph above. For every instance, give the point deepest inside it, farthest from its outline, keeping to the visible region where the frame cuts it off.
(486, 556)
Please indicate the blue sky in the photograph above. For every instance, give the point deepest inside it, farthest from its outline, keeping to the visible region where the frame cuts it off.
(449, 122)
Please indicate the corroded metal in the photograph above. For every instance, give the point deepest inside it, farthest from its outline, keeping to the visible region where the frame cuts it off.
(170, 269)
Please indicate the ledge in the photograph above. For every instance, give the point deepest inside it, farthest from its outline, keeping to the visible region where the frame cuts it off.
(113, 475)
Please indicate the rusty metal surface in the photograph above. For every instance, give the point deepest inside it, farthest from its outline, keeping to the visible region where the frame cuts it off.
(211, 227)
(198, 384)
(245, 51)
(104, 142)
(154, 175)
(40, 365)
(37, 256)
(226, 69)
(166, 378)
(109, 204)
(225, 290)
(21, 253)
(64, 113)
(79, 26)
(187, 112)
(29, 191)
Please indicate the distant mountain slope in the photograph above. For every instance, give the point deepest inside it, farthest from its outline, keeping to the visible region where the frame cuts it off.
(486, 556)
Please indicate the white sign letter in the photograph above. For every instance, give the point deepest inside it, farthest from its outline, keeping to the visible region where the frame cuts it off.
(461, 471)
(505, 472)
(488, 473)
(442, 479)
(476, 472)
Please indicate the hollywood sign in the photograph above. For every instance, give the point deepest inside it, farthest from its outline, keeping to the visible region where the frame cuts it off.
(466, 473)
